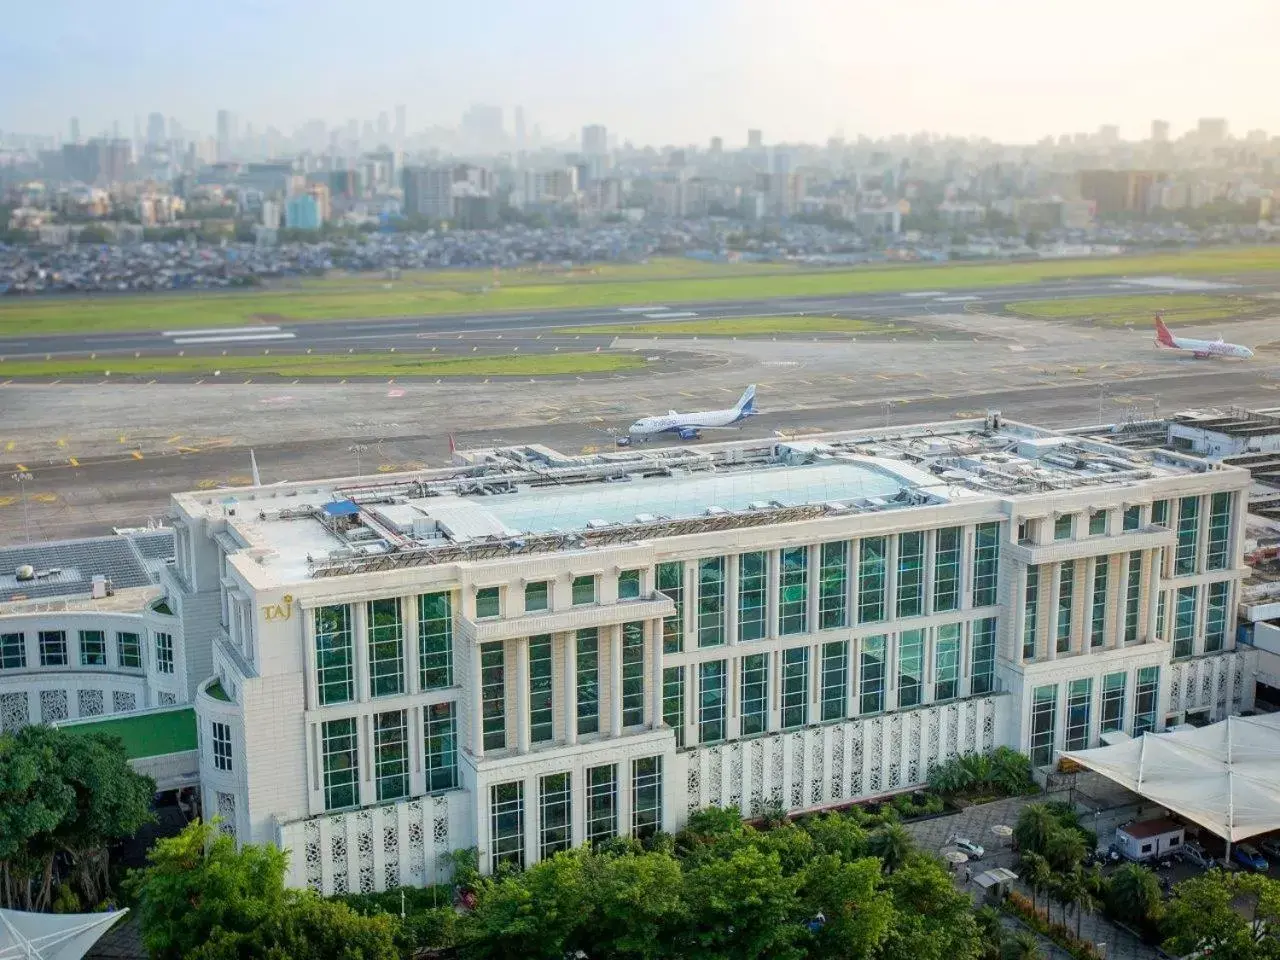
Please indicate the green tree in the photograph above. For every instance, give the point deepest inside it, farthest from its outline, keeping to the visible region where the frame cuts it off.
(1035, 823)
(1020, 945)
(305, 926)
(743, 906)
(1064, 849)
(64, 795)
(198, 883)
(1081, 897)
(1038, 875)
(934, 920)
(857, 913)
(638, 904)
(541, 913)
(1229, 916)
(892, 844)
(1133, 895)
(837, 834)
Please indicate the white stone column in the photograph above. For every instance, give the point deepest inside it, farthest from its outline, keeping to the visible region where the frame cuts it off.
(691, 683)
(1154, 586)
(1202, 536)
(477, 702)
(532, 831)
(891, 577)
(570, 698)
(851, 582)
(310, 684)
(689, 638)
(1086, 635)
(522, 693)
(813, 557)
(1017, 625)
(360, 639)
(775, 690)
(409, 620)
(774, 578)
(733, 708)
(614, 634)
(968, 543)
(851, 680)
(731, 565)
(1055, 586)
(927, 574)
(655, 672)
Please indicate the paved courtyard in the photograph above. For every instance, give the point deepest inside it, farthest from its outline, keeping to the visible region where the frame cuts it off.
(976, 824)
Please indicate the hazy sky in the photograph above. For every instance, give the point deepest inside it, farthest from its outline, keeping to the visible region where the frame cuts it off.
(658, 71)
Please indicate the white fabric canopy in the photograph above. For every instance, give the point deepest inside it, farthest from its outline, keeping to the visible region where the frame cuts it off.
(1225, 777)
(51, 936)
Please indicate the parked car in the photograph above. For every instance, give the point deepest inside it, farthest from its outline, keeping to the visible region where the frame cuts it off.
(1195, 853)
(1270, 847)
(1248, 856)
(973, 850)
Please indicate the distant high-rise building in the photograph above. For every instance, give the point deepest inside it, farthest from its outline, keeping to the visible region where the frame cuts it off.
(75, 130)
(519, 127)
(1109, 134)
(1118, 191)
(482, 128)
(1211, 130)
(384, 128)
(226, 134)
(595, 140)
(717, 145)
(428, 192)
(344, 183)
(155, 130)
(401, 126)
(302, 212)
(1159, 131)
(755, 139)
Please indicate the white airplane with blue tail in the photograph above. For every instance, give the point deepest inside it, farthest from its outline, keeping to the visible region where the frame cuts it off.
(689, 426)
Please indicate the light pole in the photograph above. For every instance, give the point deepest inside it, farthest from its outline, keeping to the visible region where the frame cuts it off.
(1102, 392)
(21, 477)
(358, 449)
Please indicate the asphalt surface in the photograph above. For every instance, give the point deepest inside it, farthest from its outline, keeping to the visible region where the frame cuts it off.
(533, 331)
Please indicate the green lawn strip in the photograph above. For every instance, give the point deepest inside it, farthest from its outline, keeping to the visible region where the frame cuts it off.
(736, 327)
(339, 365)
(148, 734)
(31, 316)
(1120, 311)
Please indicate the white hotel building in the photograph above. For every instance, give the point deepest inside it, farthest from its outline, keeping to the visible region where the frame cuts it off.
(526, 651)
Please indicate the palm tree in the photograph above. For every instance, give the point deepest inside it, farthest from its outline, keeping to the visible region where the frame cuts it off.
(1135, 893)
(1010, 771)
(1064, 848)
(1037, 874)
(1082, 899)
(991, 932)
(1020, 945)
(892, 844)
(1035, 823)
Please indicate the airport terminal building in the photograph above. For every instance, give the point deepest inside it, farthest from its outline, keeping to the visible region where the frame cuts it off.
(527, 651)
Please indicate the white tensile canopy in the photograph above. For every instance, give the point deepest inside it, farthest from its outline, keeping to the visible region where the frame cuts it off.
(51, 936)
(1224, 777)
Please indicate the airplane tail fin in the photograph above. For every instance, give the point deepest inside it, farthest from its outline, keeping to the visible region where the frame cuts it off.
(253, 464)
(747, 402)
(1163, 336)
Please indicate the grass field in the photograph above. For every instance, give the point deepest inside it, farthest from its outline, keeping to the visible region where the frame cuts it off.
(468, 292)
(333, 366)
(149, 735)
(739, 327)
(1176, 309)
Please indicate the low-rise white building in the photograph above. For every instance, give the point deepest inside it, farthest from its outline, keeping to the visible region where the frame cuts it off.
(527, 651)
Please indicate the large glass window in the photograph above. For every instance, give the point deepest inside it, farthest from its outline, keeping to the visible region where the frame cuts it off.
(53, 648)
(646, 796)
(1044, 704)
(986, 564)
(871, 675)
(1064, 527)
(335, 662)
(983, 656)
(1184, 557)
(1160, 601)
(435, 641)
(1219, 531)
(871, 579)
(13, 651)
(1098, 619)
(946, 569)
(93, 648)
(671, 582)
(910, 668)
(537, 596)
(1066, 588)
(588, 680)
(555, 811)
(129, 650)
(754, 695)
(835, 679)
(1184, 622)
(506, 824)
(911, 574)
(493, 695)
(711, 601)
(1132, 597)
(793, 590)
(795, 687)
(1215, 627)
(488, 603)
(711, 701)
(602, 803)
(753, 587)
(221, 745)
(584, 590)
(541, 707)
(629, 585)
(1113, 701)
(338, 749)
(1079, 698)
(1097, 523)
(386, 648)
(833, 585)
(673, 701)
(164, 652)
(1145, 697)
(633, 673)
(1160, 513)
(1132, 518)
(946, 662)
(1031, 614)
(440, 738)
(391, 755)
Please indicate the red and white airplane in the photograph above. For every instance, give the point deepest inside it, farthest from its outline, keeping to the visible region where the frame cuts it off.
(1199, 348)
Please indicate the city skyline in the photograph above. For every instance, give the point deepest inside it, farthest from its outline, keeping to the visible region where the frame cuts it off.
(665, 74)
